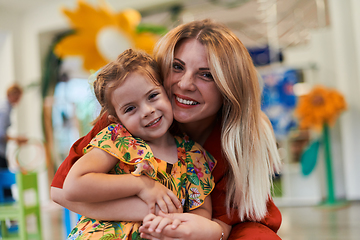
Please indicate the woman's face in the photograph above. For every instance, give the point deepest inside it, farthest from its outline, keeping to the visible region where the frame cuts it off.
(194, 95)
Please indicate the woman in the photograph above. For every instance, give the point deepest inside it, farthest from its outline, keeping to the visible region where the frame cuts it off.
(213, 87)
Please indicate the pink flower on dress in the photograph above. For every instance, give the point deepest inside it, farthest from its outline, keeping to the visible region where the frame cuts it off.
(146, 165)
(175, 170)
(211, 165)
(197, 162)
(198, 172)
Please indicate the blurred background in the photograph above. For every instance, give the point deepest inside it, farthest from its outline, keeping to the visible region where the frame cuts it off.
(296, 45)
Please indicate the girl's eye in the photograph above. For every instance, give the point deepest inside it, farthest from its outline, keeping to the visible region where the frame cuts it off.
(153, 95)
(177, 66)
(129, 109)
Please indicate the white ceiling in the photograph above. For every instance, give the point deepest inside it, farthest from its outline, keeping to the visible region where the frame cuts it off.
(251, 20)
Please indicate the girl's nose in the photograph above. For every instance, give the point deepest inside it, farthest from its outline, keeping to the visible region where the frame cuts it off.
(187, 82)
(148, 110)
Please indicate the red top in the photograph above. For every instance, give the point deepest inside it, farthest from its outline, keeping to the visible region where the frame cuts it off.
(213, 146)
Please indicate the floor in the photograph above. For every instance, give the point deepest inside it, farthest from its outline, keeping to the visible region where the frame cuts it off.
(299, 223)
(319, 223)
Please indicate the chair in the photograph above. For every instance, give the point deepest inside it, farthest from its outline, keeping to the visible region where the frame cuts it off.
(26, 210)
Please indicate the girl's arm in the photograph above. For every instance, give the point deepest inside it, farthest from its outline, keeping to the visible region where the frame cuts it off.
(112, 210)
(88, 181)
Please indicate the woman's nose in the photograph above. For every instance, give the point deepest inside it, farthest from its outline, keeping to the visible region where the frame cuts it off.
(187, 82)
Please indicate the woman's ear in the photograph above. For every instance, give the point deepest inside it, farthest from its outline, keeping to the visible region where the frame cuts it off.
(113, 119)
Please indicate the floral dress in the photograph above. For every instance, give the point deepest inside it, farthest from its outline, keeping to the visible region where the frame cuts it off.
(190, 178)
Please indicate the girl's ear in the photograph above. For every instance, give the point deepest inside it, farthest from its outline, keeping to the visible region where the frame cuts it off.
(113, 119)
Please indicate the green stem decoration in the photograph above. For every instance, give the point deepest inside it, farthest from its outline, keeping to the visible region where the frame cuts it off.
(328, 165)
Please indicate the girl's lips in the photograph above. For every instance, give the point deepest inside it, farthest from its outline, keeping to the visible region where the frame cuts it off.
(154, 123)
(185, 102)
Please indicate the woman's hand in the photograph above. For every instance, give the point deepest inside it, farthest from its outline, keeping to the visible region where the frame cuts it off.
(192, 227)
(154, 193)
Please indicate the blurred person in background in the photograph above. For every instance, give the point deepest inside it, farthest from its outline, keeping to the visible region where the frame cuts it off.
(14, 94)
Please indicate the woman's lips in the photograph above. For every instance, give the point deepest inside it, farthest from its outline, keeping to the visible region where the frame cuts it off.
(183, 102)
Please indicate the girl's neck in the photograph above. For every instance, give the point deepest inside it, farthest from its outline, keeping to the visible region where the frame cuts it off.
(164, 148)
(199, 131)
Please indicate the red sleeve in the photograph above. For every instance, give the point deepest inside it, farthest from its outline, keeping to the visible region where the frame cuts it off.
(270, 223)
(76, 151)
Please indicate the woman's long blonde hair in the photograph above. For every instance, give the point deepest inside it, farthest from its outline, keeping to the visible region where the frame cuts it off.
(247, 139)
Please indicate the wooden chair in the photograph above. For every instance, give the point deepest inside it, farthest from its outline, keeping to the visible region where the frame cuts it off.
(26, 210)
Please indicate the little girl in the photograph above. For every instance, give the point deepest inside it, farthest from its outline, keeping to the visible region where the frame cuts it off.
(138, 142)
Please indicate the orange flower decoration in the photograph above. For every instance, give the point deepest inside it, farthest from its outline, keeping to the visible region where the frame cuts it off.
(320, 106)
(90, 25)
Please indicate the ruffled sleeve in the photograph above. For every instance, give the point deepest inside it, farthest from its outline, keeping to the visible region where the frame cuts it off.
(199, 181)
(118, 142)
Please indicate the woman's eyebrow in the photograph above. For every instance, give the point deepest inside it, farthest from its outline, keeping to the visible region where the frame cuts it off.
(202, 69)
(183, 63)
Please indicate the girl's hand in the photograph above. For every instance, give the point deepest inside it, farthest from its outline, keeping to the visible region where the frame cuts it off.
(154, 193)
(192, 227)
(157, 223)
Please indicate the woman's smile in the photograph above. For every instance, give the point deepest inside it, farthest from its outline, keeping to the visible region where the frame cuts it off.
(180, 100)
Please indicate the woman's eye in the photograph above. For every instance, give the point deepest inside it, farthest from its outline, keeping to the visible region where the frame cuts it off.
(207, 75)
(177, 66)
(129, 109)
(153, 95)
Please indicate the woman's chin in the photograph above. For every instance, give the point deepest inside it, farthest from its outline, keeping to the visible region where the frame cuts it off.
(182, 117)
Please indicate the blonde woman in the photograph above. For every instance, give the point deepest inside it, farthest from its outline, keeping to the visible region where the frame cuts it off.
(215, 95)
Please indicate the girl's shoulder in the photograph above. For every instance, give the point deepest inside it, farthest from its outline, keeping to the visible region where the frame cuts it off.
(116, 140)
(190, 152)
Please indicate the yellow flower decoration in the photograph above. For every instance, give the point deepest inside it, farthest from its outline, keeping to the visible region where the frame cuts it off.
(90, 24)
(318, 107)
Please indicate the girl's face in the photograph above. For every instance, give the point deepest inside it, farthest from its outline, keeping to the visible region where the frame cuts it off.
(194, 95)
(142, 107)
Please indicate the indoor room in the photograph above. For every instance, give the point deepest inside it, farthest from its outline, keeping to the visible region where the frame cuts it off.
(303, 56)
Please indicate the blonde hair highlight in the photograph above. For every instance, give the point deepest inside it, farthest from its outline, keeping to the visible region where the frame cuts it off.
(247, 139)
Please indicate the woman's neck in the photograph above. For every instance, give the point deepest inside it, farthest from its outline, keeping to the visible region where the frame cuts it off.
(199, 131)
